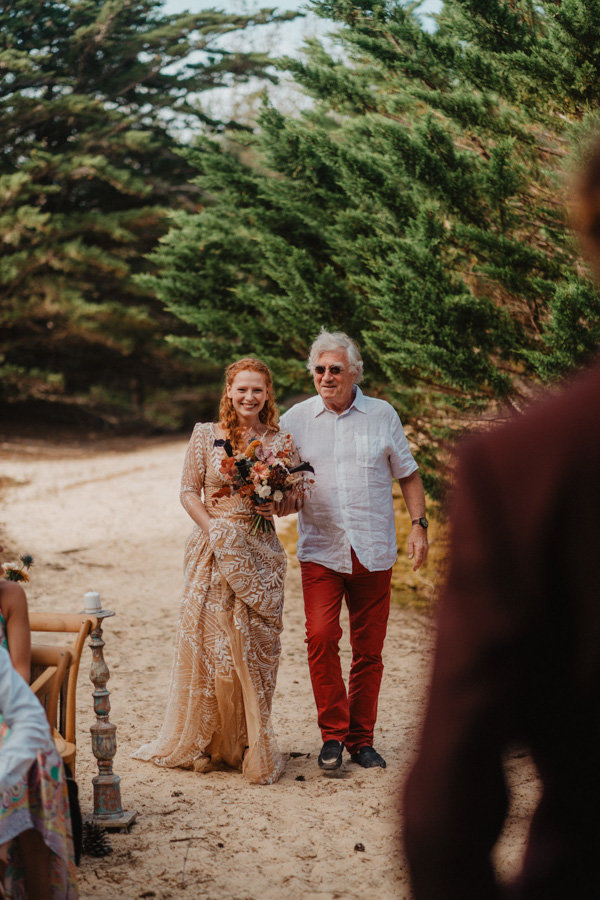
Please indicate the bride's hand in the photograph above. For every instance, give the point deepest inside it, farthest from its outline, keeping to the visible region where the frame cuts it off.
(265, 509)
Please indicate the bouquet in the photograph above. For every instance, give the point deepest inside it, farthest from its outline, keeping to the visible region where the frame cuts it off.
(17, 571)
(261, 475)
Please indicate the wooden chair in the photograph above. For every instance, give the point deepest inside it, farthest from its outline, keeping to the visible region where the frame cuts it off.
(49, 669)
(54, 672)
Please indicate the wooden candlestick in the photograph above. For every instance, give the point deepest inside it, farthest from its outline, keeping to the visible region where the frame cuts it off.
(107, 786)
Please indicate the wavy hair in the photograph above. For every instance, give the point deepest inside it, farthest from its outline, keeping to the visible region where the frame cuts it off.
(228, 419)
(336, 340)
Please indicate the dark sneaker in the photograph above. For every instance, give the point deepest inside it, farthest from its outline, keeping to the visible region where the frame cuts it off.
(368, 758)
(330, 756)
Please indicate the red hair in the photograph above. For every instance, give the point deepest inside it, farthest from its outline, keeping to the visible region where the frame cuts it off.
(227, 415)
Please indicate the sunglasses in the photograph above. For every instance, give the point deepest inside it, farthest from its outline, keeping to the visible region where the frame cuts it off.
(333, 370)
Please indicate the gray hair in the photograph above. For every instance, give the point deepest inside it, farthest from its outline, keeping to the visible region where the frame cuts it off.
(336, 340)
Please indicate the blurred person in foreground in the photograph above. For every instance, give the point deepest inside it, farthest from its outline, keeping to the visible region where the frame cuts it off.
(36, 849)
(518, 649)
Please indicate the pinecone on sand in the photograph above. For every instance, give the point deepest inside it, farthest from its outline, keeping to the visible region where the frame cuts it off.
(95, 840)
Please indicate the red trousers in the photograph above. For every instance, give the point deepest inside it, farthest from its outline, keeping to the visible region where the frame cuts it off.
(346, 717)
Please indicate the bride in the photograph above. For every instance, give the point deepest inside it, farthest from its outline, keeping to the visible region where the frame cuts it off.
(227, 645)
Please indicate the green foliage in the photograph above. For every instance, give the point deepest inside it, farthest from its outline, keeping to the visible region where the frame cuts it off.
(573, 331)
(92, 96)
(417, 205)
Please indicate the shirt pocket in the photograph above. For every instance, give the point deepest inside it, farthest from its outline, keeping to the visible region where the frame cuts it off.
(369, 450)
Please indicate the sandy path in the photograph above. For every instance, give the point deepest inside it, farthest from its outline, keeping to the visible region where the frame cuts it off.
(110, 521)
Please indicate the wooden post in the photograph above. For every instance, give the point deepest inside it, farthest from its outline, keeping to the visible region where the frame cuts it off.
(107, 786)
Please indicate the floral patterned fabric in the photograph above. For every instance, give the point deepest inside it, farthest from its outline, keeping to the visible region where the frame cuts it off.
(227, 645)
(37, 801)
(3, 641)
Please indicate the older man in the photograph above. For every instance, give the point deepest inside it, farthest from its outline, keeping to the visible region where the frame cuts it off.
(347, 540)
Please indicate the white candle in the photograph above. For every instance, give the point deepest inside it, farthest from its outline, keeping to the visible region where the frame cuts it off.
(92, 602)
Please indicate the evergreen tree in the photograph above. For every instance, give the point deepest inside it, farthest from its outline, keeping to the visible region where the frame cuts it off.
(417, 205)
(93, 96)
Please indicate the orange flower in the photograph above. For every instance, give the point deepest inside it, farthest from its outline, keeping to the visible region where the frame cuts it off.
(252, 448)
(225, 491)
(228, 466)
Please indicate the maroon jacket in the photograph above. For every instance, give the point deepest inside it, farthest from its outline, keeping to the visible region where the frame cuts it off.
(517, 660)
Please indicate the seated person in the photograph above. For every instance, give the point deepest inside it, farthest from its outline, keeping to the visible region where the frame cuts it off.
(36, 851)
(15, 635)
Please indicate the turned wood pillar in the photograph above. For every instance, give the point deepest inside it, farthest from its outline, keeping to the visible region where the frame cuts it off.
(108, 811)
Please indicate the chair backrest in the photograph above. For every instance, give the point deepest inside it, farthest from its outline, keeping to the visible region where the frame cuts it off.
(80, 626)
(49, 668)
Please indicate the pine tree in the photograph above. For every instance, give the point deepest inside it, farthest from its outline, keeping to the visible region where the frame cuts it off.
(418, 206)
(96, 98)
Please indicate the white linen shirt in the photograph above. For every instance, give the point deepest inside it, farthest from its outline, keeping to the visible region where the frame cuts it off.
(26, 719)
(355, 455)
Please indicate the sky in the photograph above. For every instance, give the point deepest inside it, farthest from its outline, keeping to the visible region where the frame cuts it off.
(292, 33)
(234, 5)
(285, 39)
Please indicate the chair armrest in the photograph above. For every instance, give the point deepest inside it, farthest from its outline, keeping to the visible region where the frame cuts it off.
(48, 684)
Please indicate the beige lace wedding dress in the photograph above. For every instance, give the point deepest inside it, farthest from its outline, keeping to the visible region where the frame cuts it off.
(227, 646)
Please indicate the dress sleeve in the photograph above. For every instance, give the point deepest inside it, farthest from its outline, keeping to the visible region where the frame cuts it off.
(194, 466)
(29, 729)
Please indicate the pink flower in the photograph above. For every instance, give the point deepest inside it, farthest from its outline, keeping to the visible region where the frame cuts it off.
(259, 471)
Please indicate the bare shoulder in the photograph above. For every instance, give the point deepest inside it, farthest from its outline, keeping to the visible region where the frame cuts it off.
(13, 599)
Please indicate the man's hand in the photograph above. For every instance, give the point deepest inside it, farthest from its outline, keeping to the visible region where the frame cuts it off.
(414, 497)
(417, 546)
(291, 503)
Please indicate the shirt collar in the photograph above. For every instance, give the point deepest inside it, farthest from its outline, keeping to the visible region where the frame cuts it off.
(358, 403)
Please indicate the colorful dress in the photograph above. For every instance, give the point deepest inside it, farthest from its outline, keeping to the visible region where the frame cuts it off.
(40, 801)
(227, 645)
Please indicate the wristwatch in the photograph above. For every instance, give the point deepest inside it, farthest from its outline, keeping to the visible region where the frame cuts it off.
(422, 521)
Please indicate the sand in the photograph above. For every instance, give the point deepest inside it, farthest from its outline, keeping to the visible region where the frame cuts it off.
(106, 517)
